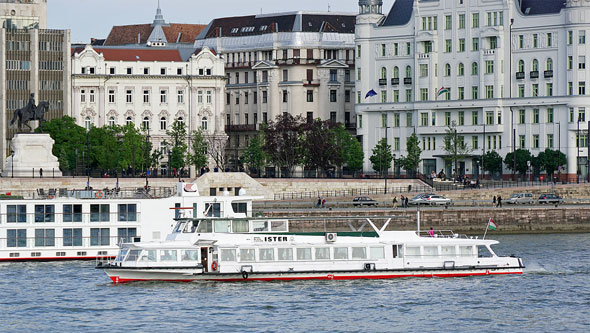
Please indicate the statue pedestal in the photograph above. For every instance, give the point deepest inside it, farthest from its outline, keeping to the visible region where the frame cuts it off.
(32, 152)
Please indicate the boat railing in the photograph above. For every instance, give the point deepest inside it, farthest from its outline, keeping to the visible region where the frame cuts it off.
(443, 234)
(91, 193)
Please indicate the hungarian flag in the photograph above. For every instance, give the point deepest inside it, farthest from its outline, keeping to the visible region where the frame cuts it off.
(442, 90)
(492, 225)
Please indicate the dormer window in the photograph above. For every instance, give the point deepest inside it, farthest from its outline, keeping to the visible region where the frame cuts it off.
(234, 30)
(264, 27)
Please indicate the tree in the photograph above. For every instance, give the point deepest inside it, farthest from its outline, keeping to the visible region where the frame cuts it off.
(198, 157)
(177, 135)
(350, 149)
(550, 160)
(216, 148)
(411, 162)
(319, 145)
(382, 157)
(282, 141)
(104, 147)
(492, 162)
(522, 157)
(69, 139)
(455, 146)
(254, 156)
(131, 148)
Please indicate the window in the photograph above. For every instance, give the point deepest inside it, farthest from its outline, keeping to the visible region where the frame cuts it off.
(146, 71)
(322, 253)
(521, 141)
(162, 71)
(570, 62)
(447, 70)
(44, 237)
(16, 237)
(100, 237)
(408, 95)
(82, 96)
(423, 119)
(448, 22)
(582, 62)
(461, 93)
(474, 142)
(423, 70)
(396, 144)
(536, 141)
(163, 123)
(521, 90)
(333, 96)
(474, 92)
(383, 50)
(447, 118)
(204, 123)
(424, 94)
(489, 66)
(521, 116)
(474, 118)
(550, 115)
(549, 89)
(285, 96)
(474, 69)
(461, 69)
(475, 44)
(475, 20)
(461, 21)
(99, 213)
(581, 88)
(582, 37)
(129, 70)
(304, 254)
(129, 96)
(128, 121)
(461, 45)
(549, 39)
(264, 97)
(581, 114)
(72, 213)
(209, 97)
(310, 96)
(145, 124)
(72, 237)
(111, 96)
(409, 121)
(549, 140)
(16, 213)
(340, 253)
(396, 120)
(359, 253)
(535, 41)
(44, 213)
(535, 116)
(163, 94)
(180, 96)
(535, 90)
(87, 123)
(111, 121)
(448, 45)
(489, 117)
(549, 65)
(126, 235)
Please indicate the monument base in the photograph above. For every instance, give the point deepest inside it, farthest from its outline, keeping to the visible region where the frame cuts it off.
(32, 157)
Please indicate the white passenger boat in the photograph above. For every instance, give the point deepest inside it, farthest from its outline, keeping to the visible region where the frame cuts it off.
(74, 225)
(265, 249)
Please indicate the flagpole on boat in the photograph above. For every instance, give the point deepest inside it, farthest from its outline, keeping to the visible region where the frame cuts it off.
(486, 232)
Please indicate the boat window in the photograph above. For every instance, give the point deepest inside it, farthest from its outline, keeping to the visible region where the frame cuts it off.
(205, 226)
(148, 256)
(466, 251)
(179, 226)
(304, 254)
(377, 253)
(286, 254)
(412, 251)
(340, 253)
(191, 227)
(247, 255)
(322, 253)
(189, 255)
(448, 251)
(168, 255)
(359, 253)
(483, 252)
(239, 207)
(228, 255)
(430, 251)
(267, 254)
(240, 226)
(260, 226)
(213, 210)
(122, 254)
(398, 251)
(133, 255)
(278, 225)
(222, 226)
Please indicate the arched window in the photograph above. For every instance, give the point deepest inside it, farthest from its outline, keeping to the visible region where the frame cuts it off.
(128, 121)
(474, 69)
(112, 121)
(447, 70)
(549, 64)
(181, 120)
(408, 72)
(521, 65)
(163, 123)
(204, 124)
(396, 72)
(383, 73)
(461, 70)
(146, 123)
(87, 123)
(535, 65)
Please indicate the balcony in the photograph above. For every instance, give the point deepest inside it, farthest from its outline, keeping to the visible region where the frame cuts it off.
(395, 81)
(240, 128)
(382, 82)
(407, 80)
(423, 55)
(548, 74)
(520, 75)
(534, 74)
(489, 52)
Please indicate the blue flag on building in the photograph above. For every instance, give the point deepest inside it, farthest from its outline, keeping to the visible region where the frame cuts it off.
(371, 93)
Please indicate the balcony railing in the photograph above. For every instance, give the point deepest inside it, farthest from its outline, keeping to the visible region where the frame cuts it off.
(520, 75)
(395, 81)
(488, 52)
(240, 128)
(408, 80)
(534, 74)
(548, 74)
(382, 82)
(423, 55)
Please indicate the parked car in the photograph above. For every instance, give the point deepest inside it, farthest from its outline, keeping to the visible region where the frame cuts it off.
(550, 198)
(364, 201)
(430, 199)
(521, 198)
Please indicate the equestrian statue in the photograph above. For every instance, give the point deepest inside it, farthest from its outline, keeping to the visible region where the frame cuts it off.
(30, 112)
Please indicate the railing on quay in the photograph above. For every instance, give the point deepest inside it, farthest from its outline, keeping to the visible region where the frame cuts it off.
(353, 192)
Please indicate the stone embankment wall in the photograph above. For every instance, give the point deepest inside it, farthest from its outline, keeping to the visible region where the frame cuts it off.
(469, 221)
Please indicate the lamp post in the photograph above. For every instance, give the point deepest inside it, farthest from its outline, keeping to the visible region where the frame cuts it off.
(578, 158)
(88, 159)
(147, 156)
(559, 148)
(386, 169)
(483, 174)
(12, 163)
(394, 170)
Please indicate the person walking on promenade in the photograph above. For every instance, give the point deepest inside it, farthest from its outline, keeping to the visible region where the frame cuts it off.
(394, 202)
(403, 201)
(324, 203)
(494, 201)
(499, 201)
(406, 202)
(319, 204)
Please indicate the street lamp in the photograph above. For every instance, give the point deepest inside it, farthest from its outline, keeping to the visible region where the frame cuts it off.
(88, 159)
(147, 156)
(394, 169)
(12, 163)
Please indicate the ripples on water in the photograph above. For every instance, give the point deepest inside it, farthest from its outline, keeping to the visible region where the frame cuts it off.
(552, 295)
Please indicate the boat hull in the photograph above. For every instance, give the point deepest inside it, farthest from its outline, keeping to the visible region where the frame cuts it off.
(125, 275)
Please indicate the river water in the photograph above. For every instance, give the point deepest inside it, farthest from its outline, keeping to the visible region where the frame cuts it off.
(552, 295)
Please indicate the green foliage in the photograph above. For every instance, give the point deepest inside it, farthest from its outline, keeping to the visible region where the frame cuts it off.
(550, 160)
(455, 147)
(382, 157)
(319, 145)
(198, 157)
(492, 162)
(177, 134)
(350, 149)
(411, 162)
(254, 156)
(283, 141)
(522, 157)
(70, 140)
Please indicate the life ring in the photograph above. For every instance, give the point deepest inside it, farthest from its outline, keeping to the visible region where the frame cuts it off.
(99, 195)
(245, 275)
(51, 197)
(214, 266)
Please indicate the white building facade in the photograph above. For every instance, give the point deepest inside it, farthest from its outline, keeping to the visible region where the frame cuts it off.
(516, 70)
(300, 63)
(150, 88)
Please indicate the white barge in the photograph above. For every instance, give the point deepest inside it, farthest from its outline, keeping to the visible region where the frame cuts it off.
(90, 224)
(265, 249)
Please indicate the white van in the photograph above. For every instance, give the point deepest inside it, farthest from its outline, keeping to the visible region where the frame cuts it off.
(521, 198)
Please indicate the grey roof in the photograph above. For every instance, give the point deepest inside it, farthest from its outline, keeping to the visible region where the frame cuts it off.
(400, 13)
(540, 7)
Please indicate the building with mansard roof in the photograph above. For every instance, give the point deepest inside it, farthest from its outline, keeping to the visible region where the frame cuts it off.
(509, 73)
(300, 63)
